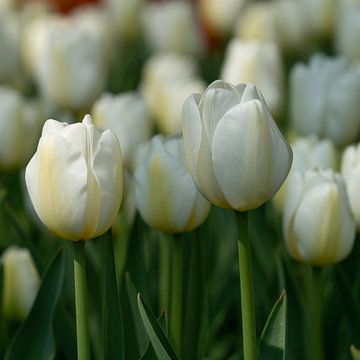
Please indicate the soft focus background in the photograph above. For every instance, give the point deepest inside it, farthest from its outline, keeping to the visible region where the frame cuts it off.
(131, 64)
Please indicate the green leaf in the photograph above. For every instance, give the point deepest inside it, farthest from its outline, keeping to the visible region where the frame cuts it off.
(355, 353)
(112, 328)
(160, 343)
(273, 338)
(35, 338)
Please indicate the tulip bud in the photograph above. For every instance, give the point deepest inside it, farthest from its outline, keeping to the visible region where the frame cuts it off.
(171, 26)
(127, 116)
(259, 63)
(308, 153)
(234, 150)
(318, 107)
(70, 62)
(350, 170)
(20, 127)
(220, 15)
(21, 283)
(75, 179)
(168, 79)
(318, 225)
(165, 194)
(348, 29)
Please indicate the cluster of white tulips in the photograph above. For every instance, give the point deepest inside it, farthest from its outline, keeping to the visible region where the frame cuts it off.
(160, 121)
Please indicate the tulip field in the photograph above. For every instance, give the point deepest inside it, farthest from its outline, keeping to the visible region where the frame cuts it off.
(179, 179)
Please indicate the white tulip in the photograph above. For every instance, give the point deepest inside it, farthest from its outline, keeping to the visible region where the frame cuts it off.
(348, 29)
(165, 194)
(21, 283)
(10, 62)
(75, 179)
(126, 115)
(350, 170)
(70, 62)
(168, 79)
(318, 225)
(259, 63)
(220, 15)
(234, 150)
(171, 26)
(308, 153)
(20, 127)
(325, 99)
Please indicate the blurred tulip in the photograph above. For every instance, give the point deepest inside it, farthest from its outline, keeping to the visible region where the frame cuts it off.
(168, 79)
(75, 179)
(350, 170)
(318, 225)
(166, 195)
(171, 26)
(348, 29)
(70, 62)
(259, 63)
(21, 283)
(125, 16)
(234, 150)
(324, 99)
(126, 115)
(10, 63)
(220, 15)
(20, 127)
(308, 153)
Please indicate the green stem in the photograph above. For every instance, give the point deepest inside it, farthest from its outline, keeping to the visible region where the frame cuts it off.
(246, 287)
(176, 293)
(83, 346)
(165, 271)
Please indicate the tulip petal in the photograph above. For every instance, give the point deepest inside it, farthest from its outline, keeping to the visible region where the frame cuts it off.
(192, 134)
(169, 207)
(107, 156)
(242, 154)
(56, 178)
(217, 99)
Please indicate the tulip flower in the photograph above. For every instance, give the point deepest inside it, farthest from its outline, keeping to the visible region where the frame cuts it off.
(350, 170)
(348, 30)
(20, 127)
(165, 193)
(234, 150)
(70, 61)
(318, 107)
(168, 79)
(126, 115)
(318, 225)
(259, 63)
(21, 283)
(75, 179)
(171, 26)
(308, 153)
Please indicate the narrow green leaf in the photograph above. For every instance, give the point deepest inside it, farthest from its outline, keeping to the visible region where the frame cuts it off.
(35, 338)
(355, 353)
(112, 328)
(273, 338)
(160, 343)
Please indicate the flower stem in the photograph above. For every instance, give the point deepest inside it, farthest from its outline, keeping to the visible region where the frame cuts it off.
(246, 288)
(83, 347)
(176, 294)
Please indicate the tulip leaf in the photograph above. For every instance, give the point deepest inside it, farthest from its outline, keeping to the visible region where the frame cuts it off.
(112, 327)
(355, 353)
(273, 338)
(35, 339)
(160, 343)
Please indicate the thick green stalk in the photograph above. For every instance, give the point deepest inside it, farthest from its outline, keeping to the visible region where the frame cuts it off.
(246, 288)
(176, 293)
(83, 346)
(165, 272)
